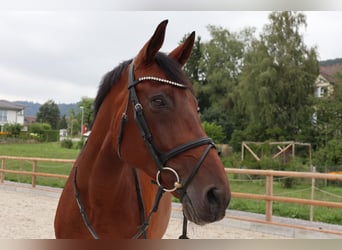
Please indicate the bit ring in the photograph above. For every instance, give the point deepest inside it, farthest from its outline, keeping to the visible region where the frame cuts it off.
(177, 184)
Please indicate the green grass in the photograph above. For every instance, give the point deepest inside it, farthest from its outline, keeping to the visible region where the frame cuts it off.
(43, 150)
(302, 190)
(239, 183)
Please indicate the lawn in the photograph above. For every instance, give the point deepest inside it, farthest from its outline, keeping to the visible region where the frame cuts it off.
(301, 189)
(43, 150)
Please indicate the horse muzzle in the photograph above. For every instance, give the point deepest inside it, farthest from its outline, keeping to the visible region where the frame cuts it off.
(210, 206)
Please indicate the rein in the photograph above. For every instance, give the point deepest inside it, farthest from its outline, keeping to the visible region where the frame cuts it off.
(159, 157)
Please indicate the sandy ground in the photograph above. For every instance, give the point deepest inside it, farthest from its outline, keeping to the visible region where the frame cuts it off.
(28, 214)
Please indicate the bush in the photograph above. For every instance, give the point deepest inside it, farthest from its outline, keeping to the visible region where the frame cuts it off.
(4, 134)
(49, 135)
(232, 161)
(80, 144)
(13, 129)
(43, 132)
(269, 163)
(66, 143)
(238, 136)
(214, 131)
(38, 128)
(330, 155)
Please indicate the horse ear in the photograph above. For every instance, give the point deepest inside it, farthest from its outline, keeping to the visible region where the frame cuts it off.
(152, 46)
(182, 53)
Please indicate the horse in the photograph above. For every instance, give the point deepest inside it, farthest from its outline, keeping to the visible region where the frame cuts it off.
(146, 145)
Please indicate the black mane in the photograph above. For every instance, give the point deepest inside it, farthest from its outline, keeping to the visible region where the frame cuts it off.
(106, 84)
(171, 68)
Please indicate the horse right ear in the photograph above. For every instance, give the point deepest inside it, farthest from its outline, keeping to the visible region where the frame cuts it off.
(182, 53)
(152, 46)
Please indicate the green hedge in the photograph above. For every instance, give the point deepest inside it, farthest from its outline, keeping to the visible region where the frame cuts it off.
(49, 135)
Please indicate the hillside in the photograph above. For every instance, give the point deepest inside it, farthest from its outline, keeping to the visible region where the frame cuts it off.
(331, 62)
(32, 108)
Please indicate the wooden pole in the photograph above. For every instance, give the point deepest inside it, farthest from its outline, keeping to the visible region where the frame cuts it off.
(312, 194)
(2, 175)
(252, 153)
(269, 192)
(34, 170)
(283, 150)
(293, 150)
(310, 156)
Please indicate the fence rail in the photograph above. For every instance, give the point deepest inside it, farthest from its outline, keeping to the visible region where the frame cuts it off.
(34, 172)
(268, 197)
(309, 175)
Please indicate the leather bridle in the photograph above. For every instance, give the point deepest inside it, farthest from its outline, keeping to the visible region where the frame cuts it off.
(160, 158)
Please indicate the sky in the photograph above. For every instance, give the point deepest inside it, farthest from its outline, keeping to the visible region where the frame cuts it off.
(63, 54)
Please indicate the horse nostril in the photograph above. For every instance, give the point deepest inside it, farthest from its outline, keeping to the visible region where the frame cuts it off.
(215, 197)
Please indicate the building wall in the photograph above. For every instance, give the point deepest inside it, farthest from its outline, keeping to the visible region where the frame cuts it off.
(12, 116)
(323, 87)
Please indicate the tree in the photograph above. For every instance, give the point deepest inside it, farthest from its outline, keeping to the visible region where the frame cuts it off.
(87, 104)
(192, 66)
(220, 65)
(49, 113)
(214, 131)
(277, 81)
(219, 68)
(328, 122)
(74, 126)
(63, 124)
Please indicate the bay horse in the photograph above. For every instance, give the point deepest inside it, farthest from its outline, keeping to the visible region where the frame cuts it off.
(146, 144)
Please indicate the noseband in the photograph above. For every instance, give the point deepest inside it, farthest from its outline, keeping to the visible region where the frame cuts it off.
(160, 158)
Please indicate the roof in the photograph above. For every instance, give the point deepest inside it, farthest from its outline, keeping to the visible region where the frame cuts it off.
(29, 119)
(10, 105)
(329, 72)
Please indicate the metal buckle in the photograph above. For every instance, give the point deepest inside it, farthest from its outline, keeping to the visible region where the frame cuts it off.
(177, 184)
(138, 107)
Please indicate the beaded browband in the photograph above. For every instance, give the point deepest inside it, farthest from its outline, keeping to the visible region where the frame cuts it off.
(152, 78)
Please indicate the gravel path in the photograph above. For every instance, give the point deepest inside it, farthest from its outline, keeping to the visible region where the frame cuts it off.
(27, 213)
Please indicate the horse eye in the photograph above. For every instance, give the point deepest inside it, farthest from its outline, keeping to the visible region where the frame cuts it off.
(158, 102)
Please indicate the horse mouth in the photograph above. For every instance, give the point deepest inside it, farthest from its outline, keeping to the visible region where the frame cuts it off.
(202, 214)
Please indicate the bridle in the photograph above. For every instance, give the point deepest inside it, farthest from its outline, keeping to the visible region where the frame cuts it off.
(160, 158)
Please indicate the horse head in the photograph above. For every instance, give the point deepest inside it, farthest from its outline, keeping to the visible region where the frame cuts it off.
(162, 133)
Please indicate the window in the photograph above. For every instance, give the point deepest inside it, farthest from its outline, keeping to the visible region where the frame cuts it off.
(324, 91)
(3, 116)
(21, 112)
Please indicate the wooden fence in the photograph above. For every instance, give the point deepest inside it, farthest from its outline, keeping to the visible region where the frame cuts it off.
(34, 173)
(268, 197)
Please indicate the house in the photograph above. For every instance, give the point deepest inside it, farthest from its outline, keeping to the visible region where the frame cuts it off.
(28, 120)
(326, 79)
(10, 113)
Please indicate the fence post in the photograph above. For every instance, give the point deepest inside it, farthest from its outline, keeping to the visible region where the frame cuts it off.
(2, 174)
(34, 170)
(313, 180)
(269, 192)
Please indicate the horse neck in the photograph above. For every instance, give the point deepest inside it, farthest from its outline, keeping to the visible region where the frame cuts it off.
(98, 160)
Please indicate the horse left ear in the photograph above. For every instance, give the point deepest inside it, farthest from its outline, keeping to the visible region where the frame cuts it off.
(182, 53)
(151, 48)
